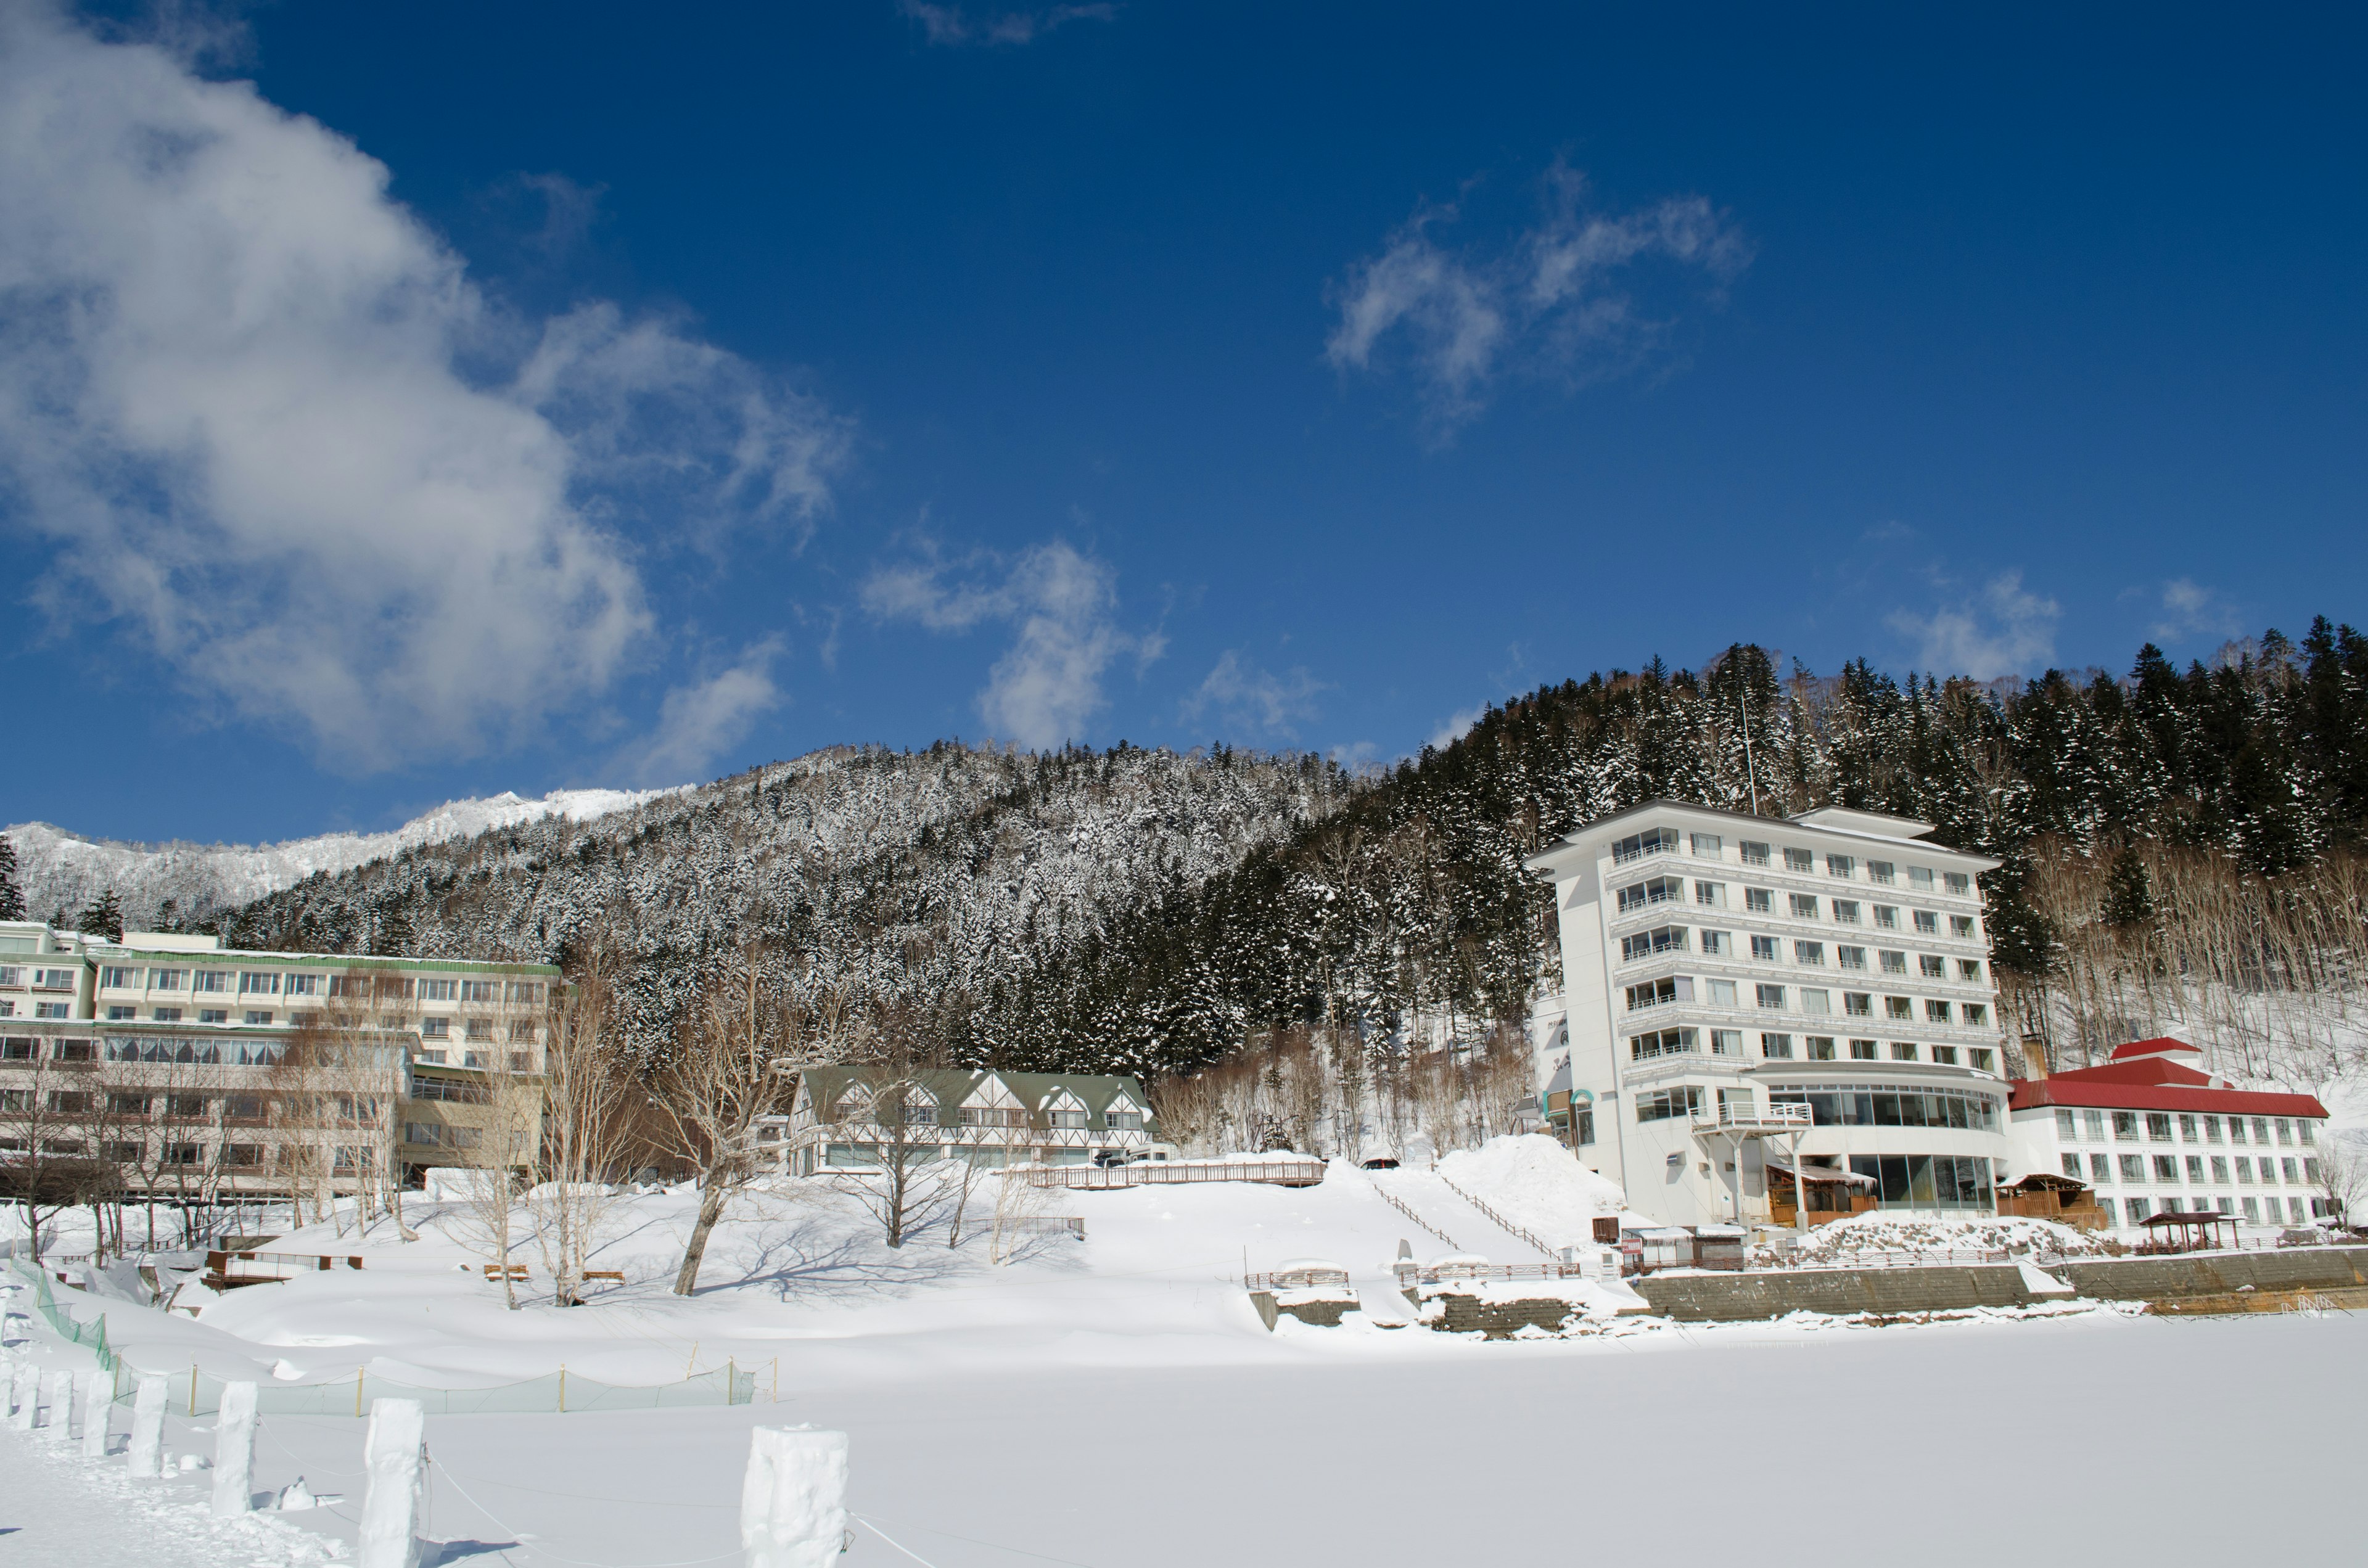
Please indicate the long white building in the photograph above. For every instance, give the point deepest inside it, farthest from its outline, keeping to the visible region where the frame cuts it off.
(1737, 987)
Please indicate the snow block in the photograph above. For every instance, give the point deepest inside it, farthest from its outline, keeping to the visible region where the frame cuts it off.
(56, 1396)
(394, 1452)
(27, 1394)
(97, 1405)
(234, 1451)
(794, 1502)
(147, 1450)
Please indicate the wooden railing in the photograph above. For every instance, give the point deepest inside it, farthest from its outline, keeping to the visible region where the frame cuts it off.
(1392, 1199)
(227, 1269)
(1500, 1221)
(1160, 1173)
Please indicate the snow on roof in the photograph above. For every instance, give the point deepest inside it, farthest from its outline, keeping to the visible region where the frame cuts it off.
(1306, 1265)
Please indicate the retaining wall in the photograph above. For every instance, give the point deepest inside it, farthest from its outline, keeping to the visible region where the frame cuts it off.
(1708, 1298)
(2218, 1273)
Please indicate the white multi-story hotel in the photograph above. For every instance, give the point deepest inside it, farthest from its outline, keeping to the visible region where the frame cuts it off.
(1739, 988)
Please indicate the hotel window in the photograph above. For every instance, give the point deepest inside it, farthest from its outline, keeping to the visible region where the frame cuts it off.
(2195, 1169)
(257, 1017)
(1885, 917)
(2187, 1132)
(1712, 894)
(521, 1060)
(1670, 1104)
(2235, 1130)
(435, 1028)
(10, 975)
(54, 980)
(1898, 1007)
(1962, 926)
(2286, 1167)
(1816, 1002)
(1706, 845)
(2159, 1126)
(2137, 1209)
(1652, 993)
(1936, 1012)
(1660, 890)
(2132, 1168)
(1927, 923)
(1902, 1052)
(1840, 866)
(1946, 1055)
(1862, 1051)
(1894, 963)
(1930, 967)
(122, 1015)
(2260, 1130)
(1716, 945)
(166, 1014)
(251, 984)
(1779, 1046)
(1753, 854)
(525, 991)
(1958, 882)
(1977, 1015)
(2068, 1125)
(2285, 1131)
(480, 1030)
(1727, 1042)
(2252, 1210)
(2166, 1168)
(2310, 1172)
(118, 979)
(1921, 876)
(481, 991)
(1758, 901)
(1846, 911)
(1645, 944)
(2072, 1166)
(1850, 958)
(1857, 1003)
(1821, 1048)
(1969, 971)
(1881, 871)
(213, 1014)
(300, 985)
(438, 990)
(1773, 997)
(209, 980)
(1662, 1042)
(1980, 1058)
(1764, 948)
(1805, 906)
(2095, 1122)
(1800, 860)
(2212, 1130)
(2308, 1132)
(1810, 953)
(1722, 993)
(2100, 1168)
(2126, 1127)
(1636, 845)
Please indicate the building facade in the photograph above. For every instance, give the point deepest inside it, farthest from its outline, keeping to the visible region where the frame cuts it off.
(166, 1065)
(849, 1118)
(2152, 1133)
(1742, 991)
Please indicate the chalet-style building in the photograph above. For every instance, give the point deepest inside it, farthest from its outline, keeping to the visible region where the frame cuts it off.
(854, 1118)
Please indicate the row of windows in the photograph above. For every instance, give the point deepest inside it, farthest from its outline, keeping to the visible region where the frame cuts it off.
(1882, 1105)
(1753, 852)
(1686, 1042)
(308, 982)
(2166, 1169)
(1816, 1002)
(40, 1009)
(2258, 1211)
(1664, 939)
(1801, 907)
(2089, 1127)
(12, 977)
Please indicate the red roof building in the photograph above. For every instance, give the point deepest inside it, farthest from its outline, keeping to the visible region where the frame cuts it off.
(2154, 1133)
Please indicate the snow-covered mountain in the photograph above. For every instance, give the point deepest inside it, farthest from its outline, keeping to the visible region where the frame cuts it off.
(63, 870)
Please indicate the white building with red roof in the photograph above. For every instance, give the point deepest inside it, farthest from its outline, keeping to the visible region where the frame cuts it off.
(2154, 1133)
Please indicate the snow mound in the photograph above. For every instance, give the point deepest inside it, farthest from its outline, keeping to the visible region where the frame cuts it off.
(1863, 1233)
(1535, 1183)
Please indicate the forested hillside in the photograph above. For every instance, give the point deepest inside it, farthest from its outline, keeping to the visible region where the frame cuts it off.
(1145, 912)
(1409, 910)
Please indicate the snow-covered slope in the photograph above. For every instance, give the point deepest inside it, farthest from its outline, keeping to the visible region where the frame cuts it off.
(60, 870)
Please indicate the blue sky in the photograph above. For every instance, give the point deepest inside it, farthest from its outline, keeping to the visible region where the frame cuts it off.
(529, 396)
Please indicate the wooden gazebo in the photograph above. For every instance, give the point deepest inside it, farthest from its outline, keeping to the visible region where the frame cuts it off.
(2190, 1231)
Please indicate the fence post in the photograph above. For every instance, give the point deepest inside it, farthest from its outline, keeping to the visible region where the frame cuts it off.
(393, 1453)
(147, 1450)
(97, 1405)
(234, 1451)
(793, 1500)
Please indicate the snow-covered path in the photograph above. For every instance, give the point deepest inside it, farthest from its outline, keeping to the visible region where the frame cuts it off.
(60, 1511)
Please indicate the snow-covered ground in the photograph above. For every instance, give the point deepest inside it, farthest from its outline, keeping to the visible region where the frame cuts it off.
(1118, 1402)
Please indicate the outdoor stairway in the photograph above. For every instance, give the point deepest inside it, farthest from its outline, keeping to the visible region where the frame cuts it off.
(1445, 1210)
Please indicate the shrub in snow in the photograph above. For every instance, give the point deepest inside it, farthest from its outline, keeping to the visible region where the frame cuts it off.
(1878, 1232)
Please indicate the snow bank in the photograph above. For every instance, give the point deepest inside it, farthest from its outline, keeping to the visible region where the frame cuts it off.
(1535, 1183)
(1861, 1234)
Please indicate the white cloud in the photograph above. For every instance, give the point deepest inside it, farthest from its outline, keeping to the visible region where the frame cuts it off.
(2002, 630)
(262, 419)
(699, 722)
(1458, 724)
(1550, 302)
(953, 26)
(1247, 695)
(2187, 609)
(1048, 685)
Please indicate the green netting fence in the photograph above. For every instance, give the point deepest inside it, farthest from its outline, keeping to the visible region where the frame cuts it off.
(197, 1393)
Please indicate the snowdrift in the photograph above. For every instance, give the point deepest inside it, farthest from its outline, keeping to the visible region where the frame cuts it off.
(1535, 1183)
